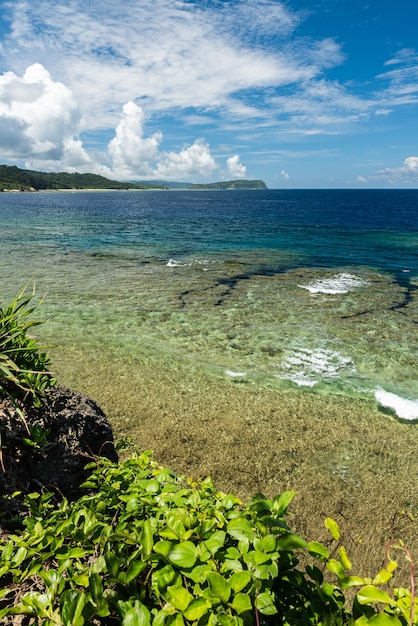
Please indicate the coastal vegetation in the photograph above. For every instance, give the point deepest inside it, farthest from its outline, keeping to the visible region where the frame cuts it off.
(143, 546)
(13, 178)
(24, 368)
(232, 184)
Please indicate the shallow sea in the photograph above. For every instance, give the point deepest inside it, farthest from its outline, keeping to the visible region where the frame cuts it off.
(311, 291)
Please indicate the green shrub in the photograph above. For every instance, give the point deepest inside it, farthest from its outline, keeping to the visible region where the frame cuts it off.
(144, 547)
(24, 369)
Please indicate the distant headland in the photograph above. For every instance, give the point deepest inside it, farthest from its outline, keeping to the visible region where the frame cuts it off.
(14, 179)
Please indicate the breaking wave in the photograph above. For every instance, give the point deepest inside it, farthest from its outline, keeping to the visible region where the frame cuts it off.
(340, 283)
(307, 367)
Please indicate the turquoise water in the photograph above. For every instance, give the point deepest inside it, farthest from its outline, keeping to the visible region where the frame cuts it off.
(310, 290)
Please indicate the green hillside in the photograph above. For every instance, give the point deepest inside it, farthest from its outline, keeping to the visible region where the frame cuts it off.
(13, 178)
(232, 184)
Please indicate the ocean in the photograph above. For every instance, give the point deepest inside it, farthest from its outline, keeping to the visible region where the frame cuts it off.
(314, 291)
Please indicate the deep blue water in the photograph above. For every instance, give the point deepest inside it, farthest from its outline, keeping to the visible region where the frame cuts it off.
(326, 227)
(331, 275)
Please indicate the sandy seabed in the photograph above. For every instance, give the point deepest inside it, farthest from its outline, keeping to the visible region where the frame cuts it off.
(343, 457)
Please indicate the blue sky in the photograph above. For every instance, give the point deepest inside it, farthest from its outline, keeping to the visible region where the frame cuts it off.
(303, 94)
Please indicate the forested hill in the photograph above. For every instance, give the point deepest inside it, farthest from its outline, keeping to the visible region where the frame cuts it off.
(13, 178)
(232, 184)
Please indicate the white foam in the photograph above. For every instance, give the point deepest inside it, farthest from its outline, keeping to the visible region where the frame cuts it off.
(404, 408)
(340, 283)
(307, 367)
(174, 263)
(235, 374)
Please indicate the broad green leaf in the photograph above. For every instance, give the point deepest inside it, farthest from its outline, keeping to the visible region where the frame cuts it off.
(70, 553)
(351, 581)
(242, 603)
(282, 501)
(159, 619)
(336, 568)
(239, 580)
(232, 553)
(266, 544)
(215, 541)
(382, 577)
(163, 547)
(39, 601)
(183, 554)
(180, 554)
(50, 577)
(137, 616)
(196, 609)
(7, 551)
(175, 620)
(290, 542)
(134, 569)
(152, 486)
(219, 586)
(345, 561)
(72, 605)
(19, 556)
(265, 604)
(255, 558)
(96, 587)
(225, 619)
(199, 573)
(329, 590)
(333, 528)
(164, 577)
(315, 574)
(372, 595)
(179, 597)
(132, 505)
(112, 564)
(240, 529)
(82, 580)
(176, 526)
(147, 538)
(318, 550)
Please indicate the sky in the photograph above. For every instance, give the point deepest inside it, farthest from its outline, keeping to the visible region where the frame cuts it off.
(300, 93)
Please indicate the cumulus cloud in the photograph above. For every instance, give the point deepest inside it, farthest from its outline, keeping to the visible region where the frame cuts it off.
(406, 173)
(285, 174)
(169, 53)
(39, 116)
(135, 156)
(235, 168)
(131, 153)
(194, 160)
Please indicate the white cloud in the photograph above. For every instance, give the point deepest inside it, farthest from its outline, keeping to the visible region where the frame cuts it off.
(361, 179)
(407, 173)
(285, 175)
(38, 116)
(194, 160)
(321, 107)
(170, 54)
(131, 153)
(406, 55)
(235, 168)
(242, 67)
(411, 164)
(134, 156)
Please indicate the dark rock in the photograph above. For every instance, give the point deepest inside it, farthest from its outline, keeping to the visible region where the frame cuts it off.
(68, 432)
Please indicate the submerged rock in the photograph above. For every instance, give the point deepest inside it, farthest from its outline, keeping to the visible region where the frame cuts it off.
(66, 433)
